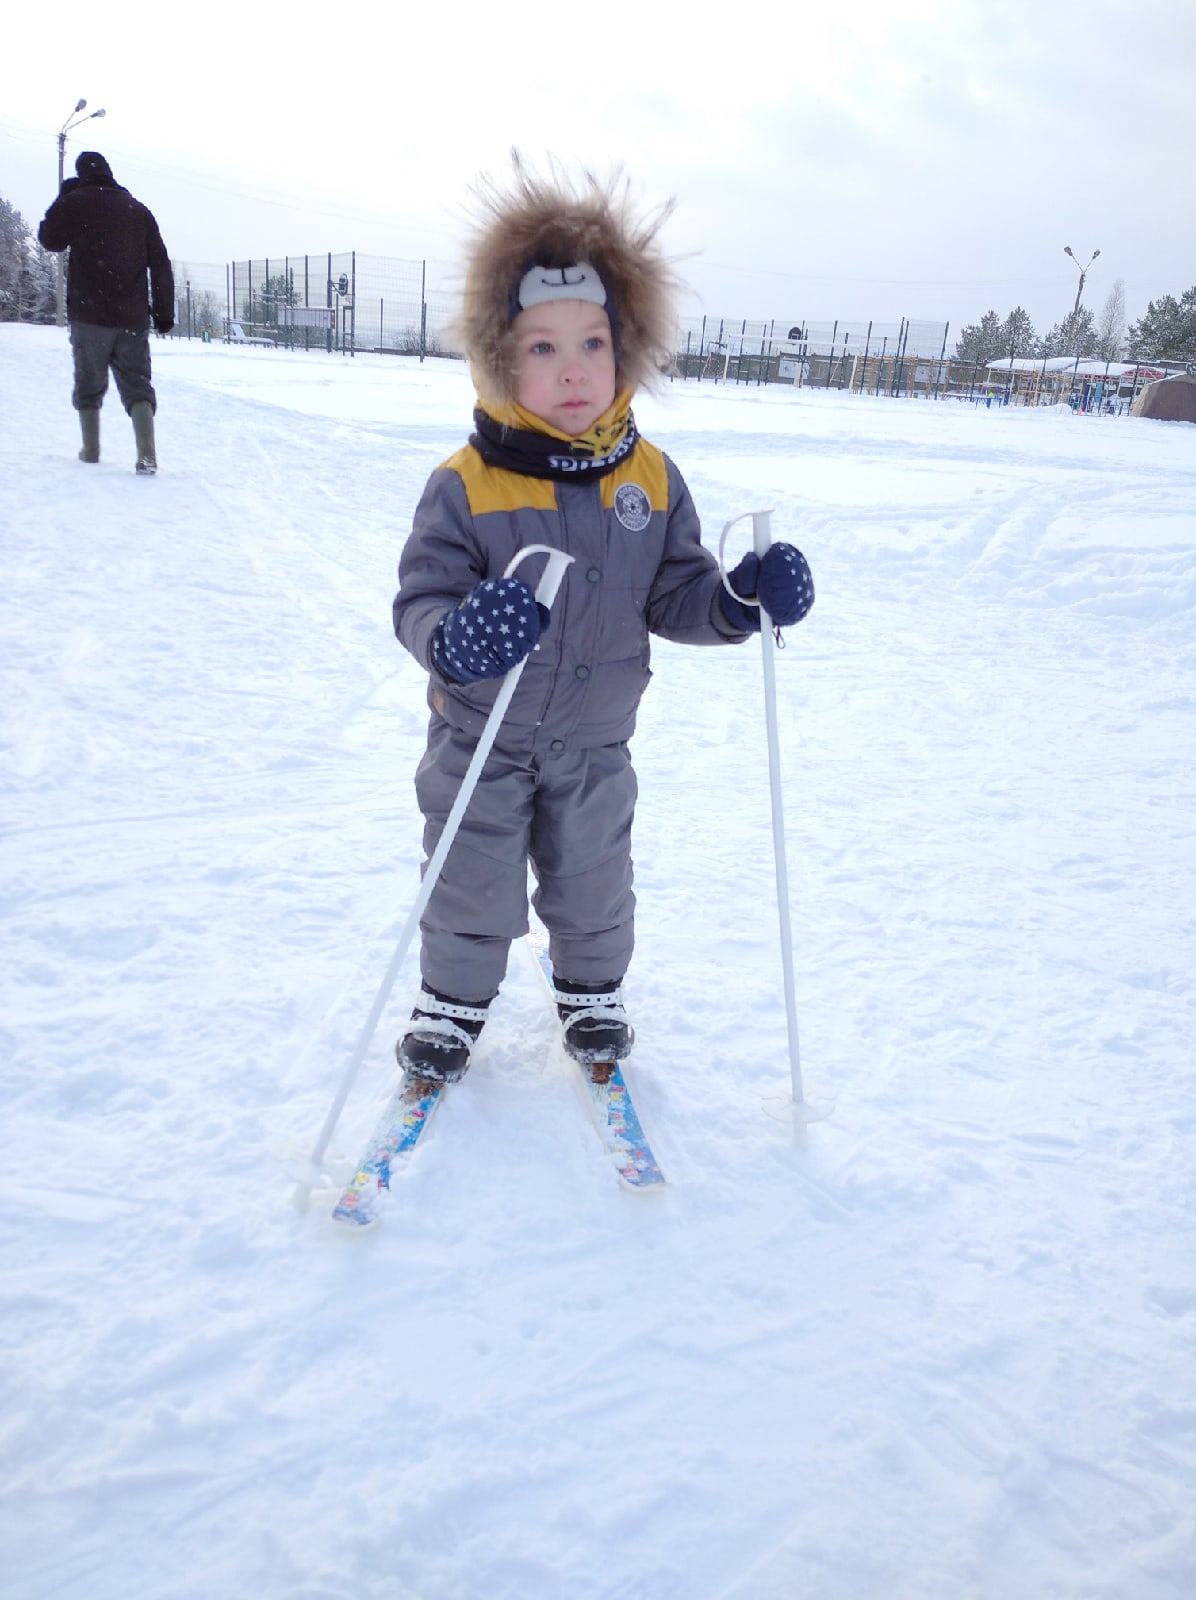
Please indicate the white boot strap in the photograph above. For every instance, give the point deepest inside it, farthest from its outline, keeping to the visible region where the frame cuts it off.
(446, 1008)
(440, 1028)
(605, 997)
(597, 1013)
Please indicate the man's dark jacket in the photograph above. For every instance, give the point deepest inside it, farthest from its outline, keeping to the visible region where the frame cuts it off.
(114, 241)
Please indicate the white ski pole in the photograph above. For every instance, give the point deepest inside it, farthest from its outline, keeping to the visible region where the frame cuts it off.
(803, 1109)
(546, 592)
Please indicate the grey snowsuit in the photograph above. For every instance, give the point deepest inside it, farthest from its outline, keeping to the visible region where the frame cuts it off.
(558, 789)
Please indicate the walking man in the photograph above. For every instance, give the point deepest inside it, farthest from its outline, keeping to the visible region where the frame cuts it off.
(114, 243)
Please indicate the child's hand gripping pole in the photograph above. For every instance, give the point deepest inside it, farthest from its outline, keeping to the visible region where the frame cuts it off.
(546, 592)
(803, 1109)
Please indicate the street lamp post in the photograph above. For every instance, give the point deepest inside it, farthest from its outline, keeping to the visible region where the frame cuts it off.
(72, 121)
(1067, 251)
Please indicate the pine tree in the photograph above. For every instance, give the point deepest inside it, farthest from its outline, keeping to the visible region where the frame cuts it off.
(1168, 330)
(279, 290)
(1017, 334)
(981, 342)
(1075, 336)
(14, 235)
(27, 281)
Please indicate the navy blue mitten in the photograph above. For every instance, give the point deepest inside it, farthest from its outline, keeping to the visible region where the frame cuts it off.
(781, 580)
(493, 628)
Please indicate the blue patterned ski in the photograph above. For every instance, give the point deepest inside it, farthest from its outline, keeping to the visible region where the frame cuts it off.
(611, 1105)
(398, 1131)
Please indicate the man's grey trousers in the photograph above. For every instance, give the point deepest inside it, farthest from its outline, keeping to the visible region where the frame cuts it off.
(96, 350)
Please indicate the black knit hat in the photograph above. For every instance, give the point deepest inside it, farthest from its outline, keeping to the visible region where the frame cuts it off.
(91, 164)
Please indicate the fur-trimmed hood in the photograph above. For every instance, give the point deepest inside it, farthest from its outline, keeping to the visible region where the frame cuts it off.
(558, 222)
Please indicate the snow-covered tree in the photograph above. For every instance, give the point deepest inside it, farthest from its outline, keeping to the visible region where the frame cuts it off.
(981, 341)
(13, 242)
(27, 281)
(1167, 331)
(1076, 335)
(1110, 325)
(1017, 334)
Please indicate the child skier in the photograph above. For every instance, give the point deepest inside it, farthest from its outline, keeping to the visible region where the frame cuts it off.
(567, 312)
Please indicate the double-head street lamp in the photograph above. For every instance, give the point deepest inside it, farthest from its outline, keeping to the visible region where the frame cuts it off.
(72, 121)
(1067, 251)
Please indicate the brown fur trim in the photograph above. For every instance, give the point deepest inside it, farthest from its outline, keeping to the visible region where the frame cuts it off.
(556, 222)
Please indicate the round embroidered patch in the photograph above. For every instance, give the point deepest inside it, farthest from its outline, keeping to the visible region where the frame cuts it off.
(632, 507)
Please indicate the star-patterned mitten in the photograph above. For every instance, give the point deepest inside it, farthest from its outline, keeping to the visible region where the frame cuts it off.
(782, 582)
(493, 628)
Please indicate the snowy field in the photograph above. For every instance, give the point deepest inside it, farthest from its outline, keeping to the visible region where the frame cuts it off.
(941, 1346)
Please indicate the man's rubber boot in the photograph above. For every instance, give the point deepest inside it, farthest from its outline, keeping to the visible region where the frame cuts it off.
(89, 424)
(142, 414)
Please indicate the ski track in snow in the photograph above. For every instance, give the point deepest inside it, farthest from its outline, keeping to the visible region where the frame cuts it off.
(939, 1346)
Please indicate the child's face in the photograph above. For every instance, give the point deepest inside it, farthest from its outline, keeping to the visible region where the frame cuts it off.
(564, 363)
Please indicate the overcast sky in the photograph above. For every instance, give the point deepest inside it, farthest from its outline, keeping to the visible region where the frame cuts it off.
(838, 158)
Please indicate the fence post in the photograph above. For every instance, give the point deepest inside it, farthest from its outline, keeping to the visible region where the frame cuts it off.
(423, 309)
(899, 361)
(938, 377)
(864, 368)
(902, 347)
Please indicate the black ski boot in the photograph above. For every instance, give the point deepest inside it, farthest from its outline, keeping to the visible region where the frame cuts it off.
(597, 1032)
(439, 1038)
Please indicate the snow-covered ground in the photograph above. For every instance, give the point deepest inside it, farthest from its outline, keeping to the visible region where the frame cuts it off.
(941, 1346)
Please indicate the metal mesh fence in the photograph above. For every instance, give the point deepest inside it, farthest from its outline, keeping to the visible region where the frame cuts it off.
(340, 301)
(201, 300)
(873, 357)
(348, 302)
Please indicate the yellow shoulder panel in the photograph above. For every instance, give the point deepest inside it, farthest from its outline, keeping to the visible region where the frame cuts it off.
(645, 467)
(495, 489)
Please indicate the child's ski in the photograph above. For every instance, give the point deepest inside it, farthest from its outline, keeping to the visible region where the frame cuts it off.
(612, 1107)
(398, 1131)
(620, 1129)
(409, 1110)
